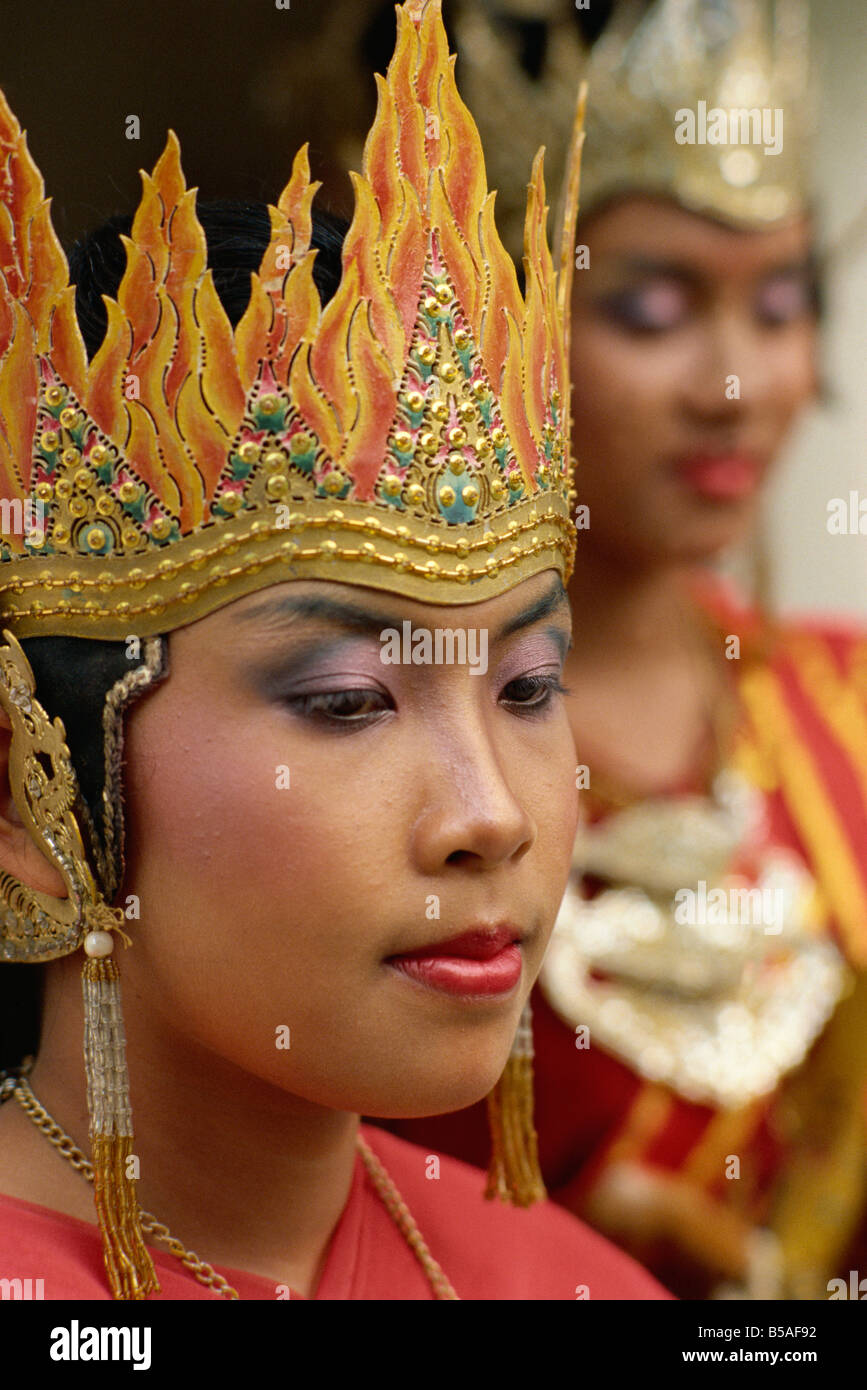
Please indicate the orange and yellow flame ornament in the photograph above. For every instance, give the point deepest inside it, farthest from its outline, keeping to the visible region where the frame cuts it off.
(412, 435)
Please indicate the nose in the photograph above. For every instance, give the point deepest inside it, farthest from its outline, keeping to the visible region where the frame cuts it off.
(472, 814)
(729, 375)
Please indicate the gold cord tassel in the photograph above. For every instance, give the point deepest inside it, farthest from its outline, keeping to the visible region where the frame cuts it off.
(128, 1264)
(514, 1174)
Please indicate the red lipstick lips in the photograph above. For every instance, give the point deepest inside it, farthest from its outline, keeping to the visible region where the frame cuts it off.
(480, 962)
(721, 478)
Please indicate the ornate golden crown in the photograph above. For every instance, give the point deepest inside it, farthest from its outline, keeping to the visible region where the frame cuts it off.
(412, 435)
(648, 63)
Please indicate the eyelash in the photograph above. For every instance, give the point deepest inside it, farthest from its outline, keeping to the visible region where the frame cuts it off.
(795, 310)
(627, 310)
(320, 707)
(547, 685)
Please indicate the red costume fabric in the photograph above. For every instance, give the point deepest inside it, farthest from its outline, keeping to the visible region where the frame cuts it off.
(487, 1250)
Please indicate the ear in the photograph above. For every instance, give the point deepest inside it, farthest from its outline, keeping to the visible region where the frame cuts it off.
(20, 856)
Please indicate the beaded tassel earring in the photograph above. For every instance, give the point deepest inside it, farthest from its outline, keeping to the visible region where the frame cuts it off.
(39, 927)
(514, 1174)
(128, 1264)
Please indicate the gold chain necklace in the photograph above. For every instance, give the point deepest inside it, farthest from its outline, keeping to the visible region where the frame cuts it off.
(200, 1269)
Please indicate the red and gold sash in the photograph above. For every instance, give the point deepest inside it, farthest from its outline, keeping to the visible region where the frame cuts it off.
(806, 720)
(803, 692)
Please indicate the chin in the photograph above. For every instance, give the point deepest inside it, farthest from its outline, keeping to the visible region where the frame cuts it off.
(436, 1093)
(703, 552)
(703, 540)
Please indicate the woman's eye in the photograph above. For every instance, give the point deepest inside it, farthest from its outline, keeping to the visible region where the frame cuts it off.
(533, 692)
(652, 309)
(783, 300)
(340, 706)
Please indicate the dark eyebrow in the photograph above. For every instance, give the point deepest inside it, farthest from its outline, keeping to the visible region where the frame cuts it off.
(370, 621)
(549, 603)
(279, 611)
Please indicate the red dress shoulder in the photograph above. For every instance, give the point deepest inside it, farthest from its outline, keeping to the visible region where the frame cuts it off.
(487, 1250)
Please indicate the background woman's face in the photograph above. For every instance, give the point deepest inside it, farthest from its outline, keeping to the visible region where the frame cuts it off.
(301, 812)
(671, 307)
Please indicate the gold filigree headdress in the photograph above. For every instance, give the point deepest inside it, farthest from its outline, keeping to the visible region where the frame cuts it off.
(704, 56)
(412, 435)
(649, 63)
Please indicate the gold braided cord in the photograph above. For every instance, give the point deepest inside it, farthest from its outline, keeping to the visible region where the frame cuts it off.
(200, 1269)
(402, 1217)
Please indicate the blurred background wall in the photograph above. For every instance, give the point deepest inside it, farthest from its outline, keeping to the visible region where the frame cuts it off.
(245, 83)
(810, 568)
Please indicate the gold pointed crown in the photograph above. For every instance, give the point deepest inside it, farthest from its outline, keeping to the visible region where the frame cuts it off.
(649, 63)
(411, 435)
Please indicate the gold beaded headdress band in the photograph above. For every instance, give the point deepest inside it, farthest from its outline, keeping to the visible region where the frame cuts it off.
(412, 435)
(649, 63)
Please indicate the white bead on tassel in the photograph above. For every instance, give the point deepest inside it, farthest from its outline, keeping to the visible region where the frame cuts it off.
(128, 1264)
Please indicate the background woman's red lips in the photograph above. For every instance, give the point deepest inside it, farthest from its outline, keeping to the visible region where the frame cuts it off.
(721, 477)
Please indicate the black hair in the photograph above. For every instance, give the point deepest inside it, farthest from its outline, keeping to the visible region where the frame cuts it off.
(237, 234)
(74, 674)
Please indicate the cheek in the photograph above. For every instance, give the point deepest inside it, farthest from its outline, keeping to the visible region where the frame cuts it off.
(204, 803)
(623, 412)
(791, 368)
(245, 815)
(621, 399)
(251, 891)
(548, 790)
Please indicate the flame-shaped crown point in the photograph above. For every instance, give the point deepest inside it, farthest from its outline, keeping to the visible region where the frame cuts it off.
(412, 434)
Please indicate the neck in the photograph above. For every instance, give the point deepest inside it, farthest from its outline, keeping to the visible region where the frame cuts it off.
(648, 689)
(619, 607)
(248, 1176)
